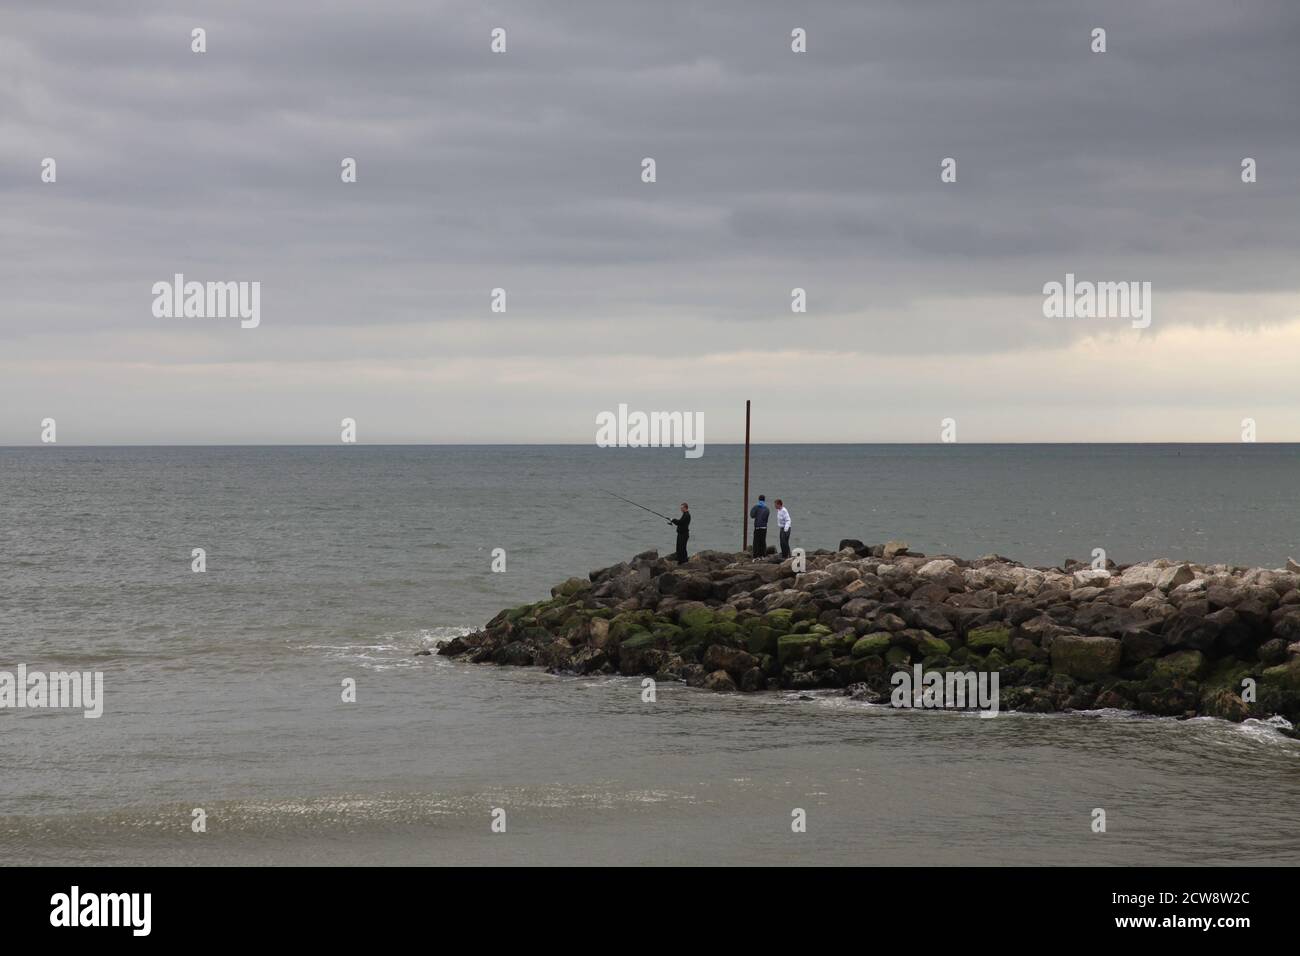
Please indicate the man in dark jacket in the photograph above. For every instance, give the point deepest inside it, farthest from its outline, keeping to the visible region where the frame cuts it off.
(683, 531)
(759, 513)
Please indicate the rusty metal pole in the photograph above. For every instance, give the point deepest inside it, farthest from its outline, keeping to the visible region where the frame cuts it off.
(744, 535)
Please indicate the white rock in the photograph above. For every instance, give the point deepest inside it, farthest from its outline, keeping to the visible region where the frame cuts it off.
(1142, 574)
(1278, 580)
(1028, 581)
(1174, 577)
(1092, 577)
(891, 572)
(1150, 602)
(937, 569)
(1057, 580)
(1191, 587)
(806, 580)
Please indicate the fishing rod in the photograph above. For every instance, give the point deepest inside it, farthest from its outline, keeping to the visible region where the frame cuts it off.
(642, 507)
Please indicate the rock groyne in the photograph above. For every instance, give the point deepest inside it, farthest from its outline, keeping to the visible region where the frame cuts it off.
(1162, 637)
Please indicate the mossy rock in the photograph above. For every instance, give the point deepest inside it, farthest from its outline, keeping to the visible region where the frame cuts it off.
(518, 613)
(1037, 675)
(761, 640)
(1062, 683)
(1284, 677)
(726, 613)
(640, 640)
(724, 632)
(1086, 658)
(669, 634)
(930, 646)
(1225, 705)
(572, 586)
(696, 617)
(692, 651)
(802, 627)
(898, 656)
(995, 660)
(793, 648)
(539, 634)
(1142, 670)
(839, 644)
(1279, 690)
(640, 652)
(553, 617)
(984, 639)
(629, 622)
(780, 620)
(1180, 665)
(871, 644)
(1227, 674)
(576, 631)
(866, 668)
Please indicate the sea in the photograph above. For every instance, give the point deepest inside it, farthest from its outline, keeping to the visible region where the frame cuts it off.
(272, 709)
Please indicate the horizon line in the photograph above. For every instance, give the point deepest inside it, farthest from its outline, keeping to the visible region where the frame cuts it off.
(562, 444)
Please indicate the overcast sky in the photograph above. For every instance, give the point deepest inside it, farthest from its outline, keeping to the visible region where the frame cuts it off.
(775, 170)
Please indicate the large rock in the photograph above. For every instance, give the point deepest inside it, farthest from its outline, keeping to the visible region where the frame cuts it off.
(876, 643)
(1086, 658)
(894, 548)
(570, 587)
(694, 587)
(1141, 574)
(732, 660)
(1042, 630)
(587, 660)
(1140, 644)
(1190, 630)
(1092, 577)
(1004, 579)
(1286, 623)
(793, 648)
(719, 681)
(927, 617)
(1174, 577)
(938, 569)
(1181, 665)
(641, 653)
(986, 638)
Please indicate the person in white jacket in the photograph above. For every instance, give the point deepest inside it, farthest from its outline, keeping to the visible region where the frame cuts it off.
(783, 523)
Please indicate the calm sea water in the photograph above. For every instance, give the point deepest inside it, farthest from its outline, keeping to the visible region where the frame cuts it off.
(222, 690)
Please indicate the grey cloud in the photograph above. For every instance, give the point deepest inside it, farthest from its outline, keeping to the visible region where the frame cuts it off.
(522, 171)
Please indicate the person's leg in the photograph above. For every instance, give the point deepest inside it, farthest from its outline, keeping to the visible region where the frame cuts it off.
(785, 542)
(681, 550)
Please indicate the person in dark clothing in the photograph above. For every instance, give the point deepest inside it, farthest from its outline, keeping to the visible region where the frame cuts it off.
(683, 531)
(759, 513)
